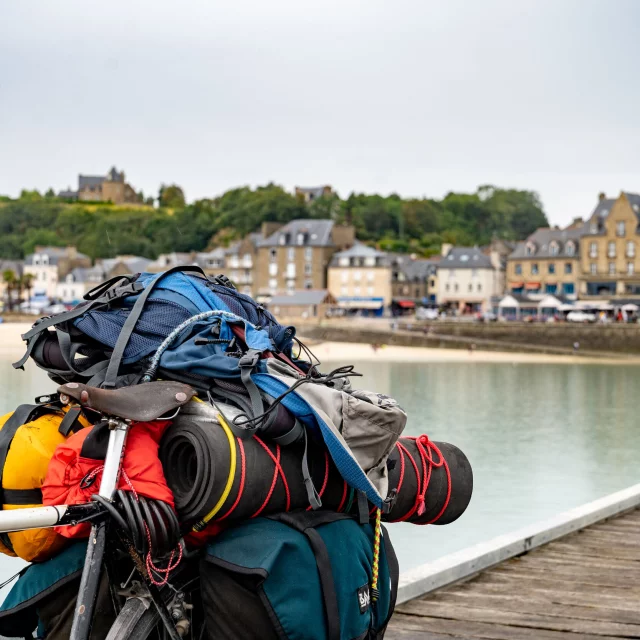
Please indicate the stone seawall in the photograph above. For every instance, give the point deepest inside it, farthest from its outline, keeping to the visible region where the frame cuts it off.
(604, 340)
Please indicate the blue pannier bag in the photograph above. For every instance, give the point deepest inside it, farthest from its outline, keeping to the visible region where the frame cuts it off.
(314, 573)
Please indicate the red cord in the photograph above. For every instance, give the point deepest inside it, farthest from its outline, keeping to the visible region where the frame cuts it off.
(243, 471)
(344, 496)
(277, 471)
(425, 449)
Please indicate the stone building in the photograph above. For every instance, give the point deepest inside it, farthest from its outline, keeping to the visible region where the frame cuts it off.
(110, 188)
(414, 280)
(309, 194)
(610, 243)
(547, 262)
(297, 255)
(360, 279)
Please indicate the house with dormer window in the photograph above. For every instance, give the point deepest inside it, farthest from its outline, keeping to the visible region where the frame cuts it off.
(546, 263)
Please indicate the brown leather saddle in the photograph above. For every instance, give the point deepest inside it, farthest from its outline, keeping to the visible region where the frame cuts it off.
(140, 403)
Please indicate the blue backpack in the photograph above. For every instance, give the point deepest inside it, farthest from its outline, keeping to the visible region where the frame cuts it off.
(182, 325)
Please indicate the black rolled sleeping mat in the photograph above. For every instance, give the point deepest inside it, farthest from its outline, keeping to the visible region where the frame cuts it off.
(195, 455)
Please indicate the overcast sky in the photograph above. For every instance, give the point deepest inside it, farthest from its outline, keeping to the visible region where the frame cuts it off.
(412, 96)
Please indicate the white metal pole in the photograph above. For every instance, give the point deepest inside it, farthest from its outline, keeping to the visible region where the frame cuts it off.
(115, 449)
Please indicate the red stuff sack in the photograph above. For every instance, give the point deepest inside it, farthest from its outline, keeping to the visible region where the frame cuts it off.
(75, 470)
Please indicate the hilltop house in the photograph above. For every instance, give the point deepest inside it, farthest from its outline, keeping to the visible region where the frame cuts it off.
(110, 188)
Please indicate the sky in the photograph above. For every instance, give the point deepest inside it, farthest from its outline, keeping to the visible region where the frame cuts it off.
(414, 97)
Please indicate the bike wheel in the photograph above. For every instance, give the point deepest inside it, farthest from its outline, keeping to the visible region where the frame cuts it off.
(139, 617)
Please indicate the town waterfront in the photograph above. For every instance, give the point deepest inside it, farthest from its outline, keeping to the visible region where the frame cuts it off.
(542, 436)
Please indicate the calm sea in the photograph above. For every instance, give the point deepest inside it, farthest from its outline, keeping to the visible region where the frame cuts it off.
(542, 438)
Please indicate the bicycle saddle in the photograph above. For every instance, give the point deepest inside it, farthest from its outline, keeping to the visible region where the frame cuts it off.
(140, 403)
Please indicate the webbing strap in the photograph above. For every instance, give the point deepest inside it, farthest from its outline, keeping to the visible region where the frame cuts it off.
(394, 574)
(131, 321)
(312, 494)
(70, 421)
(22, 497)
(363, 508)
(68, 350)
(247, 365)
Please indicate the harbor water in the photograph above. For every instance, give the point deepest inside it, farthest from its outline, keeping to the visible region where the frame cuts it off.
(542, 438)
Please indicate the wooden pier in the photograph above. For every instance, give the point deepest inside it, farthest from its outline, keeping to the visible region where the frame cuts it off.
(582, 585)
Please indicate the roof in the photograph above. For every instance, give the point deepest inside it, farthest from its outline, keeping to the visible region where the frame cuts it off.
(301, 297)
(54, 253)
(542, 239)
(316, 233)
(135, 264)
(420, 269)
(90, 181)
(602, 211)
(465, 258)
(68, 194)
(316, 192)
(358, 250)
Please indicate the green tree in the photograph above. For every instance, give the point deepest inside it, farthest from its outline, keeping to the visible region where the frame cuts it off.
(30, 196)
(10, 280)
(50, 193)
(171, 196)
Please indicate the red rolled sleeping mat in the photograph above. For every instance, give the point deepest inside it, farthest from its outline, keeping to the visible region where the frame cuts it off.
(429, 482)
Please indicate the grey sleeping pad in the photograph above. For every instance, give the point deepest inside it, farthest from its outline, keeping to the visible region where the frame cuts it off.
(368, 423)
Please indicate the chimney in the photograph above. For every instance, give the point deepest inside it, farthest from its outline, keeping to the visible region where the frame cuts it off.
(601, 196)
(269, 228)
(343, 235)
(446, 247)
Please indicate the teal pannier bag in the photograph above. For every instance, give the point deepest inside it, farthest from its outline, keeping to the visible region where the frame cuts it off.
(314, 571)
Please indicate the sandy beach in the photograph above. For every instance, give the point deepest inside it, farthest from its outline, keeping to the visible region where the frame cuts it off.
(11, 346)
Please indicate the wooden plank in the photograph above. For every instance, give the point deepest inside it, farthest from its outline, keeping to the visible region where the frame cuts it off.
(535, 602)
(573, 548)
(489, 631)
(616, 601)
(604, 579)
(548, 558)
(469, 613)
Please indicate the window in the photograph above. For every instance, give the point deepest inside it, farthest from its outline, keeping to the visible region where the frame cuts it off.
(273, 284)
(551, 267)
(630, 268)
(568, 288)
(356, 291)
(344, 276)
(308, 284)
(343, 262)
(594, 227)
(518, 269)
(370, 262)
(570, 249)
(479, 287)
(611, 249)
(554, 248)
(273, 256)
(308, 255)
(452, 273)
(291, 254)
(343, 291)
(36, 259)
(283, 239)
(301, 238)
(620, 229)
(551, 288)
(369, 291)
(535, 270)
(631, 249)
(357, 276)
(593, 249)
(612, 268)
(474, 273)
(470, 287)
(432, 283)
(446, 287)
(370, 276)
(530, 249)
(455, 287)
(568, 267)
(307, 269)
(593, 268)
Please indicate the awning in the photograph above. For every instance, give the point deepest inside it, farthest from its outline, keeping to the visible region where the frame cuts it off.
(516, 285)
(360, 304)
(630, 307)
(532, 285)
(406, 304)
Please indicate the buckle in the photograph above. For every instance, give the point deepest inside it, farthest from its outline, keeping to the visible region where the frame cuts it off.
(249, 360)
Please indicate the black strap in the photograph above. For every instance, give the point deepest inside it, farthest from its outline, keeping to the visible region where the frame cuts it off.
(363, 508)
(247, 365)
(294, 434)
(22, 496)
(394, 575)
(100, 289)
(70, 422)
(131, 321)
